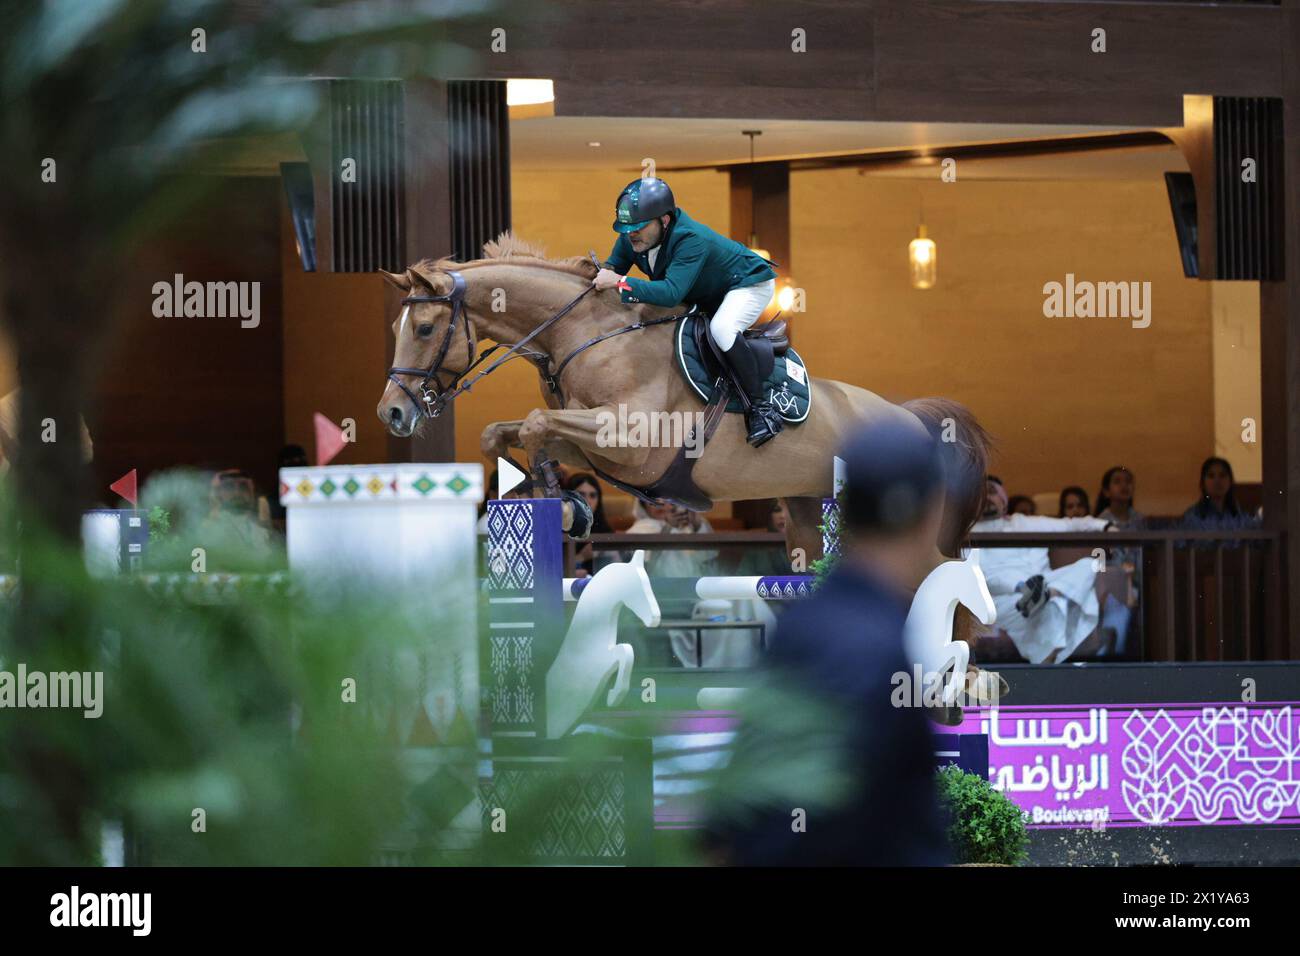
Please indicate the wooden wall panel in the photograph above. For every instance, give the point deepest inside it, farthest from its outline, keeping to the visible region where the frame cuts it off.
(691, 58)
(908, 60)
(190, 391)
(336, 350)
(1065, 398)
(958, 60)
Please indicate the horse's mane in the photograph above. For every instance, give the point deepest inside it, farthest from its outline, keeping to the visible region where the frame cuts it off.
(508, 247)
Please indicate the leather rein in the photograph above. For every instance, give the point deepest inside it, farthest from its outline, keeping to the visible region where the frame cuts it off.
(433, 397)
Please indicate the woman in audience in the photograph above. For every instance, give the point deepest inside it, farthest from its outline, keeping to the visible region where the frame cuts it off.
(1073, 503)
(1218, 506)
(767, 561)
(1021, 505)
(1115, 500)
(1123, 584)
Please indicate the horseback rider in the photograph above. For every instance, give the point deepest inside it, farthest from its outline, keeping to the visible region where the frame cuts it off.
(689, 262)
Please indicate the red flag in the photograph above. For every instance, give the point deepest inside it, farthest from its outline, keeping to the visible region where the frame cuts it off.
(329, 439)
(125, 486)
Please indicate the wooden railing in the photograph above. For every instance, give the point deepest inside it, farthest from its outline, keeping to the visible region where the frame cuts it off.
(1202, 595)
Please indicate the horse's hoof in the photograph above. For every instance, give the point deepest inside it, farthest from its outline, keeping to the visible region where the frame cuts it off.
(987, 687)
(579, 528)
(948, 716)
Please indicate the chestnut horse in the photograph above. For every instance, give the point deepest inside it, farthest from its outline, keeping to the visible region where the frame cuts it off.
(512, 296)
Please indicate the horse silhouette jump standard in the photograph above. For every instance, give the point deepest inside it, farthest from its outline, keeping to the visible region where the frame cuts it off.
(529, 592)
(590, 653)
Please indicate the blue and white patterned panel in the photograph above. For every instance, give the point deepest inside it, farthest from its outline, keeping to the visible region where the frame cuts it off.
(785, 587)
(526, 612)
(580, 811)
(510, 545)
(510, 659)
(830, 526)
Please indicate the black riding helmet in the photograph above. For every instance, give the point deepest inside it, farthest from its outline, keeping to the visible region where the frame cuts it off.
(641, 201)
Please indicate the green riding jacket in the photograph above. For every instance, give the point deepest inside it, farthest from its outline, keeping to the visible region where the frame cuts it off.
(695, 265)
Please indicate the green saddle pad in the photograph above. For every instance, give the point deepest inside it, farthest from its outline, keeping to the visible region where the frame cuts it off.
(787, 387)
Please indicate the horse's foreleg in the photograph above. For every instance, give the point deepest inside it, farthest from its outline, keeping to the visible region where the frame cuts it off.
(577, 433)
(499, 438)
(550, 436)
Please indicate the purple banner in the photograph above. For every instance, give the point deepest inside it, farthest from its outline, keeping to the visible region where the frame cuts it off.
(1146, 764)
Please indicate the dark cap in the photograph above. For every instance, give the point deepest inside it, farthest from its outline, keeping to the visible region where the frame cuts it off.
(892, 473)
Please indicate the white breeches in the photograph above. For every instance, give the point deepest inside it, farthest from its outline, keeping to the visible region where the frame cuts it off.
(739, 310)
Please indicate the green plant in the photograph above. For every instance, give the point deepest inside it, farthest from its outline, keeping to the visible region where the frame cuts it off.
(160, 522)
(985, 826)
(826, 563)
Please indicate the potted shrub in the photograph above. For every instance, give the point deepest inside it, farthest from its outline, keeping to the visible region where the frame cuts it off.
(985, 827)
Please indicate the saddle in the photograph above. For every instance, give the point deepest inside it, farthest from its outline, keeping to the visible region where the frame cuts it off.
(766, 341)
(709, 375)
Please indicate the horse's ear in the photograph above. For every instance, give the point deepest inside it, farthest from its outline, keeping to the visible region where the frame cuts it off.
(423, 272)
(399, 280)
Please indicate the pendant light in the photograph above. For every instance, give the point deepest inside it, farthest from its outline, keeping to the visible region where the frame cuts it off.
(922, 256)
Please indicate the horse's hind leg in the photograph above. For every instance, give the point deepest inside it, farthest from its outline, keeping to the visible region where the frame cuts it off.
(803, 532)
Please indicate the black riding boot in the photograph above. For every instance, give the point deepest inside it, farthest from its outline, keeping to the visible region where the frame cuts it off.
(761, 418)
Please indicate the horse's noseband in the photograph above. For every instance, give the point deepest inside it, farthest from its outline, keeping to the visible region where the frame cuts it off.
(433, 397)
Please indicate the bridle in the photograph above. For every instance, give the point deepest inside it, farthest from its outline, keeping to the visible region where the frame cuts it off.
(432, 401)
(433, 397)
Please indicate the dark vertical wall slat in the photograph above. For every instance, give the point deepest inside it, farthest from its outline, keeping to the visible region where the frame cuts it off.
(368, 224)
(368, 221)
(480, 164)
(349, 196)
(475, 158)
(503, 139)
(1252, 210)
(336, 205)
(365, 158)
(1248, 234)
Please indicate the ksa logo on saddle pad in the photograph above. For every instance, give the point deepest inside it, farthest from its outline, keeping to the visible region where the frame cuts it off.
(787, 387)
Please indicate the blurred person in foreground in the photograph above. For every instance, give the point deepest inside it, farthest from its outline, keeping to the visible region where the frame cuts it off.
(826, 770)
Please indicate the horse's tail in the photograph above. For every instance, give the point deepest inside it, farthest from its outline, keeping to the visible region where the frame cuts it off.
(965, 447)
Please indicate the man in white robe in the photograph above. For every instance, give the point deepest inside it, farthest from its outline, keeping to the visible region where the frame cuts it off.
(1046, 620)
